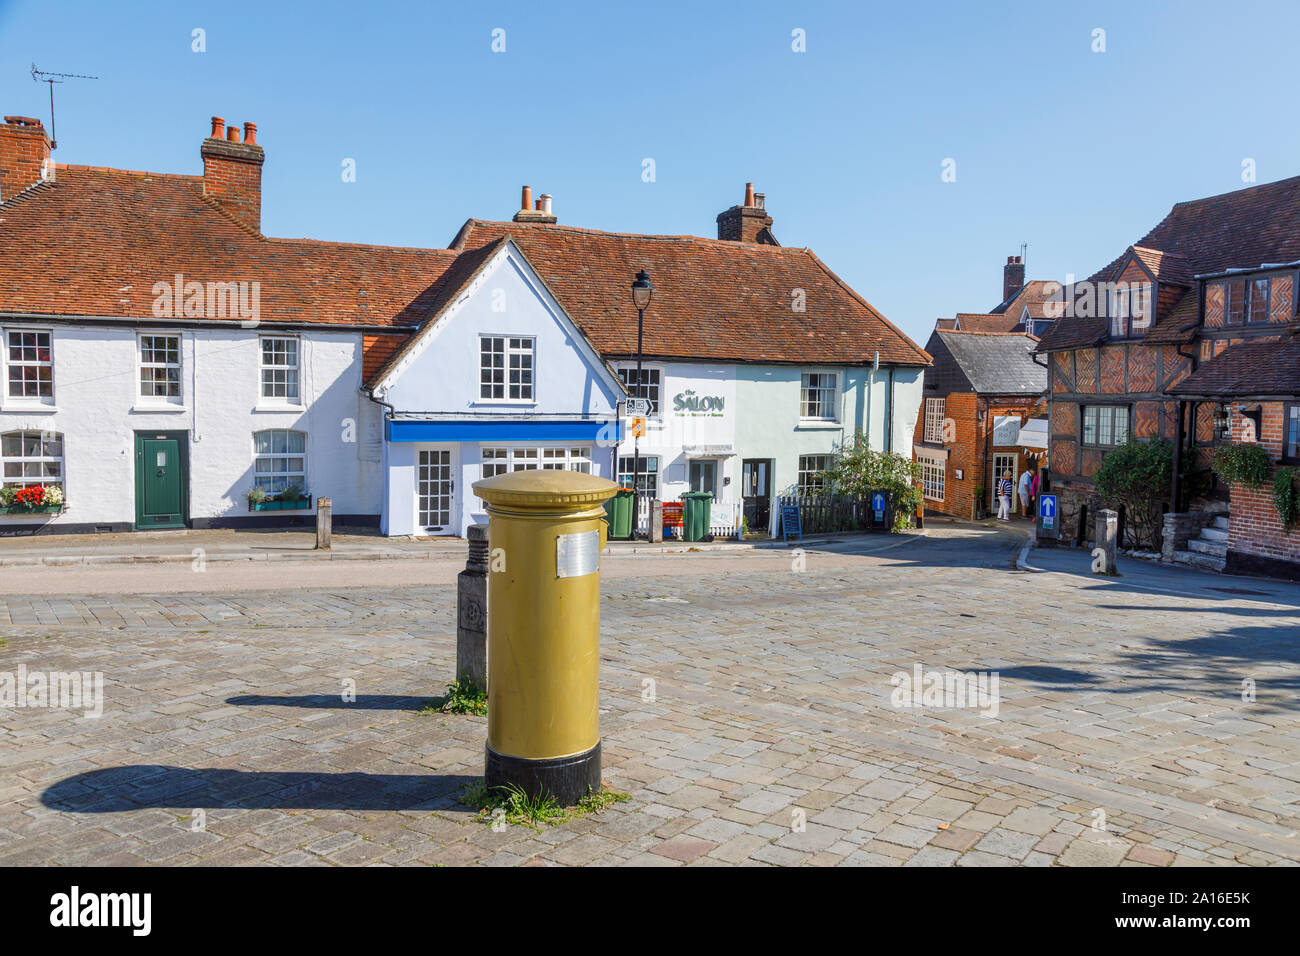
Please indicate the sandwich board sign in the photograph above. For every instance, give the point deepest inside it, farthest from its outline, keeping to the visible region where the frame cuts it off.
(790, 523)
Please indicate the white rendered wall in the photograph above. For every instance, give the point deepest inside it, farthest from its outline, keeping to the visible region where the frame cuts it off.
(97, 410)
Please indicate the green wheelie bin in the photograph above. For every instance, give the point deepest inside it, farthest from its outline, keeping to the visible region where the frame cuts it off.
(696, 506)
(618, 511)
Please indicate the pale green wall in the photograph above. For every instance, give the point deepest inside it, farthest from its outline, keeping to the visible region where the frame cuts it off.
(767, 414)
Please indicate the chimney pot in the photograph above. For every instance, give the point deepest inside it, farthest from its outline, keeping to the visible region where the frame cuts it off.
(250, 134)
(232, 134)
(218, 127)
(527, 201)
(749, 194)
(546, 203)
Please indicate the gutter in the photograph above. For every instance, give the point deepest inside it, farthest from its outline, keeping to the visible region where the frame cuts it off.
(109, 320)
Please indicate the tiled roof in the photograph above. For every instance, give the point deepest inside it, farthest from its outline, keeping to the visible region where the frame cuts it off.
(713, 299)
(1242, 229)
(1246, 370)
(997, 363)
(1179, 324)
(1033, 295)
(1170, 267)
(944, 325)
(979, 322)
(94, 242)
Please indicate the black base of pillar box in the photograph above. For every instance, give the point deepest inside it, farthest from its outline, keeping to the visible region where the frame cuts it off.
(566, 779)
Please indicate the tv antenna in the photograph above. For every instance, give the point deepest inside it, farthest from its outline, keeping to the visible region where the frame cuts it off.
(40, 76)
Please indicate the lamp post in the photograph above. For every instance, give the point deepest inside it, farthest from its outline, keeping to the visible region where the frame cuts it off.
(642, 291)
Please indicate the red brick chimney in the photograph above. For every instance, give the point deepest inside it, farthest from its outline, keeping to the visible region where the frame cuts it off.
(232, 171)
(747, 223)
(24, 151)
(1013, 277)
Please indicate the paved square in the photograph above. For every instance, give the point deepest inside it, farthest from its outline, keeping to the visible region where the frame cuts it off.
(746, 709)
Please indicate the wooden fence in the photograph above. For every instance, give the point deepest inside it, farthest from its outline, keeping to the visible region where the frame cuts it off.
(823, 514)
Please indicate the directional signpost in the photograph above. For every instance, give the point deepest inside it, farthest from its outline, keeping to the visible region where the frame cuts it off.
(1049, 525)
(638, 407)
(878, 506)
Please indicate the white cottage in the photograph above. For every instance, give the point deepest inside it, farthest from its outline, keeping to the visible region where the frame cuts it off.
(499, 378)
(165, 365)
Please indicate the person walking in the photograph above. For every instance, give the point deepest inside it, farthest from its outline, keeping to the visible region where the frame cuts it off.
(1033, 498)
(1026, 479)
(1004, 497)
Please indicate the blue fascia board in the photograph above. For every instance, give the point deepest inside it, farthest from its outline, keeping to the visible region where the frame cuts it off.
(498, 431)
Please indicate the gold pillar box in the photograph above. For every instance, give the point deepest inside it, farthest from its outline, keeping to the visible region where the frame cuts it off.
(545, 533)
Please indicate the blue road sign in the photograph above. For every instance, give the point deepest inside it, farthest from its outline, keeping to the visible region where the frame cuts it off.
(878, 504)
(1047, 512)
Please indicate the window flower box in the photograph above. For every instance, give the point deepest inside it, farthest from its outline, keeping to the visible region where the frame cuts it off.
(30, 509)
(275, 504)
(32, 499)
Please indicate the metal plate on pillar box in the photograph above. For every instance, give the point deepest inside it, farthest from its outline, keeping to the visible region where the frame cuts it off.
(577, 554)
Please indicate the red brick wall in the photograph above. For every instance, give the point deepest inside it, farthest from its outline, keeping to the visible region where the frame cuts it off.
(967, 450)
(232, 175)
(1254, 525)
(1214, 304)
(23, 148)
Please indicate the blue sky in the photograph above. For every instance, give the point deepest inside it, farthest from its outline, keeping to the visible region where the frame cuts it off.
(1075, 152)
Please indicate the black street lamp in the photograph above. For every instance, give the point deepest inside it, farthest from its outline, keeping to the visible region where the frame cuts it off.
(642, 291)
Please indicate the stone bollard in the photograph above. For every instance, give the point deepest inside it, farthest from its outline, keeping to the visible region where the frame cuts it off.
(1105, 553)
(656, 521)
(471, 611)
(324, 523)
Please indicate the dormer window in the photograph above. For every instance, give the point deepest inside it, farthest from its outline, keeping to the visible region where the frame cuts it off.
(1129, 309)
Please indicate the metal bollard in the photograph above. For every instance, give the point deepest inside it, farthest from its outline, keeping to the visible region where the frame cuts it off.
(472, 610)
(324, 523)
(546, 531)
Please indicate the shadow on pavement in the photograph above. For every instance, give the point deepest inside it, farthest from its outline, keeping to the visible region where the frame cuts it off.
(333, 702)
(119, 789)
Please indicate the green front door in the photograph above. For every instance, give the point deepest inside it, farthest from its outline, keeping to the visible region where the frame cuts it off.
(160, 480)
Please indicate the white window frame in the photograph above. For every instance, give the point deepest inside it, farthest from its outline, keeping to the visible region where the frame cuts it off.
(834, 389)
(176, 401)
(23, 459)
(271, 476)
(500, 459)
(27, 401)
(286, 400)
(935, 409)
(934, 478)
(654, 392)
(803, 482)
(508, 352)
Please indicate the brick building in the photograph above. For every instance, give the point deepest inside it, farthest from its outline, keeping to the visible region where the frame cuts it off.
(1207, 297)
(981, 394)
(1260, 383)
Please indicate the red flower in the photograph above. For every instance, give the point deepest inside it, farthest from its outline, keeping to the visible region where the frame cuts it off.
(32, 495)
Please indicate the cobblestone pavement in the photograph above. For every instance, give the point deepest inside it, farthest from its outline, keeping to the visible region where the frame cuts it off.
(1121, 735)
